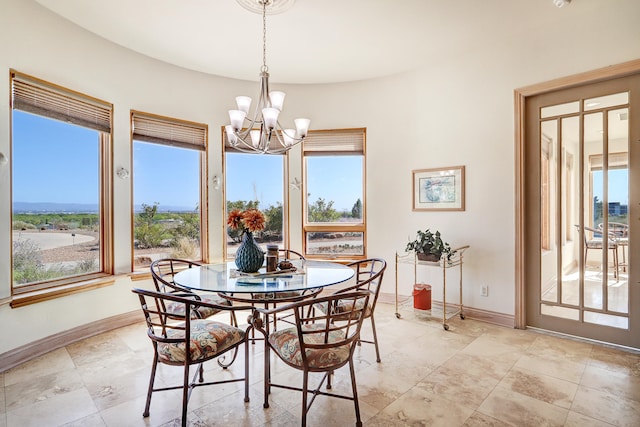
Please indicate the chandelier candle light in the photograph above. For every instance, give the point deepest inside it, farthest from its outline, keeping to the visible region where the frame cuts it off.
(263, 132)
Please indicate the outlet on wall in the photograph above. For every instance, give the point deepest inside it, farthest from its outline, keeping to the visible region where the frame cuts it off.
(484, 291)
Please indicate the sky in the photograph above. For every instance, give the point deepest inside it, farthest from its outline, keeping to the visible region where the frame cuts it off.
(162, 174)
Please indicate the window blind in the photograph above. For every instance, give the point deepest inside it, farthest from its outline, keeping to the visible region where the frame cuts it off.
(45, 99)
(334, 141)
(168, 131)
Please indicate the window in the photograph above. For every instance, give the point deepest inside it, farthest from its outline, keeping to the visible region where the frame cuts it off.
(256, 181)
(61, 192)
(334, 196)
(169, 183)
(546, 186)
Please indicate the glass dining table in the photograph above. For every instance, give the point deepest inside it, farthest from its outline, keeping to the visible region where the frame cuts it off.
(225, 279)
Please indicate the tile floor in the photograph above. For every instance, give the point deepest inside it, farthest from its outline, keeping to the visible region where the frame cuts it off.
(475, 374)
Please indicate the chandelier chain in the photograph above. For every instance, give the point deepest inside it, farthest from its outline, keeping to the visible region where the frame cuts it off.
(264, 37)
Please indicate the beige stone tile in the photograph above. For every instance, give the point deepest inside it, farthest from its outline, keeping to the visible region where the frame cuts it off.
(478, 419)
(57, 410)
(604, 406)
(112, 381)
(135, 337)
(556, 348)
(27, 393)
(93, 420)
(418, 407)
(50, 363)
(379, 386)
(97, 349)
(165, 407)
(616, 360)
(464, 378)
(520, 410)
(554, 367)
(575, 419)
(231, 410)
(613, 382)
(542, 387)
(497, 349)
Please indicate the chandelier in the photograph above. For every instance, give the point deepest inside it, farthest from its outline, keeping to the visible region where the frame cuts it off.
(261, 131)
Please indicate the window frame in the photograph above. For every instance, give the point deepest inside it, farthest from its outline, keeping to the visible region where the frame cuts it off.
(337, 142)
(189, 135)
(286, 217)
(45, 99)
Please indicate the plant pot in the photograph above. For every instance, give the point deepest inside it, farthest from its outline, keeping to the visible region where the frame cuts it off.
(428, 257)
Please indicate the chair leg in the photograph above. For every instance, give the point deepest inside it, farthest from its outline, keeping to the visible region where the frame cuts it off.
(305, 385)
(151, 381)
(267, 374)
(185, 393)
(355, 394)
(246, 369)
(375, 338)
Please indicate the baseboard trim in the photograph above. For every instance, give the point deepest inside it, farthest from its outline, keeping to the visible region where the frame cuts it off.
(22, 354)
(487, 316)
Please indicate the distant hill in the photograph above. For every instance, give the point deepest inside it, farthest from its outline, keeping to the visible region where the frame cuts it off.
(40, 207)
(46, 207)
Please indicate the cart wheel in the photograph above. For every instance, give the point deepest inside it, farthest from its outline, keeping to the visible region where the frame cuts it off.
(398, 315)
(462, 316)
(446, 327)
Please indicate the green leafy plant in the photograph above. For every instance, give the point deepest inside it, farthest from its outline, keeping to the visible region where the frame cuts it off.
(429, 243)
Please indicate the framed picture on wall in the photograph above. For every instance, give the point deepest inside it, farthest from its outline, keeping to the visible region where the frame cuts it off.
(439, 189)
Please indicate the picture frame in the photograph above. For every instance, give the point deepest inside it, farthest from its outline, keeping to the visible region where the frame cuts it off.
(438, 189)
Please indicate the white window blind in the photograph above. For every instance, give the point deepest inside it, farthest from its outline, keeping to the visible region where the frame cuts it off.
(168, 131)
(334, 142)
(45, 99)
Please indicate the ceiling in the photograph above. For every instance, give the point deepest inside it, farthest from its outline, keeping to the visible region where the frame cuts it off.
(314, 41)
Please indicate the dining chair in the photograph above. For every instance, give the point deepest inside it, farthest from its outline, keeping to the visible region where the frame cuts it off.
(368, 276)
(163, 272)
(190, 341)
(596, 242)
(620, 233)
(317, 343)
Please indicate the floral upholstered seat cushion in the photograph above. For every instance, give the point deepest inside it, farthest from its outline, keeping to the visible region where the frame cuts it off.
(177, 308)
(208, 339)
(345, 306)
(287, 344)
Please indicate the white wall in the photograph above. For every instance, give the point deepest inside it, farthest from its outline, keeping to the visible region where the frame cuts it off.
(458, 111)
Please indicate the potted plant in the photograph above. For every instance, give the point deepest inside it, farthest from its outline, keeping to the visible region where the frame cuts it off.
(429, 246)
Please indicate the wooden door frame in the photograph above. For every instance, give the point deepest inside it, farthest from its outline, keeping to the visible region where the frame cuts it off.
(520, 96)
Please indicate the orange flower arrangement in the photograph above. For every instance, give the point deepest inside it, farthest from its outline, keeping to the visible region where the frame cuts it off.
(250, 220)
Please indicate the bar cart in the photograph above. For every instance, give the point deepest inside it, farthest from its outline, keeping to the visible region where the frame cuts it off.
(455, 261)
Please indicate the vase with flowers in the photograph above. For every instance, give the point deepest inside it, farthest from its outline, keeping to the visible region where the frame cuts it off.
(249, 256)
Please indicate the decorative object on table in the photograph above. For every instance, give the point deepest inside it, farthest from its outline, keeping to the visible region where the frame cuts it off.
(272, 258)
(249, 256)
(285, 265)
(429, 246)
(438, 189)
